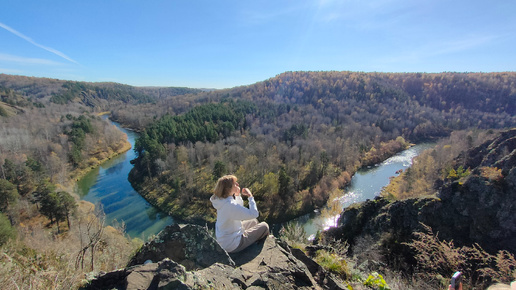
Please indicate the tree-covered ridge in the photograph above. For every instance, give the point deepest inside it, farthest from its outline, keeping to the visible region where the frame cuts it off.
(421, 104)
(97, 95)
(14, 99)
(165, 92)
(90, 95)
(417, 106)
(202, 123)
(205, 123)
(487, 92)
(31, 87)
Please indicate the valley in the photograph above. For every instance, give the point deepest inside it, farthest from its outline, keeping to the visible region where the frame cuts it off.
(295, 140)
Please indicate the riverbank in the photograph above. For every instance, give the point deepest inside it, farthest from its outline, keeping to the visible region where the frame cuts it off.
(87, 208)
(99, 158)
(94, 163)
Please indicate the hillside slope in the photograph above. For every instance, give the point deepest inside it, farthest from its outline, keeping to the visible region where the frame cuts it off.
(99, 95)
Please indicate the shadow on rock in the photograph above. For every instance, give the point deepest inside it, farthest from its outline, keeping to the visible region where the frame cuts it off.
(247, 254)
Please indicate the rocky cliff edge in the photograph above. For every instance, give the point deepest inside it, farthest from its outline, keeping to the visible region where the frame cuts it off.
(188, 257)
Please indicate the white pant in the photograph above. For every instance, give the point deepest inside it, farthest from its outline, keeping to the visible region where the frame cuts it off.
(253, 231)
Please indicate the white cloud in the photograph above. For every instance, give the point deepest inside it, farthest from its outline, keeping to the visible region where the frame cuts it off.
(26, 60)
(49, 49)
(10, 71)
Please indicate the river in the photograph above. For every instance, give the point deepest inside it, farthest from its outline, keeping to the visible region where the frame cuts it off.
(108, 185)
(365, 184)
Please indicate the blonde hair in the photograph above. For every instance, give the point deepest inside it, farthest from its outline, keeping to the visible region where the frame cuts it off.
(224, 186)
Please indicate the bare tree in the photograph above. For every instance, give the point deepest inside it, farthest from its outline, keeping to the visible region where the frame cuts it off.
(91, 235)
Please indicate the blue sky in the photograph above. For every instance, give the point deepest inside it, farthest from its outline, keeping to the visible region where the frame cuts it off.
(221, 44)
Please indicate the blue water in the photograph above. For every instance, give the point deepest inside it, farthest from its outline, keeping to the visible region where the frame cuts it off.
(108, 186)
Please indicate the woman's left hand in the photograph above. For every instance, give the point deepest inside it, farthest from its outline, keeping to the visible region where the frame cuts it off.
(247, 192)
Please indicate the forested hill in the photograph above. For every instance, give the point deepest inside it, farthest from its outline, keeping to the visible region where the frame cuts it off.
(96, 95)
(426, 103)
(306, 134)
(487, 92)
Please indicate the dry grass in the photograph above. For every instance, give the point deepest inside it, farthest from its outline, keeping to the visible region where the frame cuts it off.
(437, 259)
(43, 259)
(294, 234)
(491, 173)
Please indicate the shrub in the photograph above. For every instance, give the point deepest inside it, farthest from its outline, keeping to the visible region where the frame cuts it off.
(294, 234)
(505, 265)
(6, 230)
(376, 281)
(333, 263)
(457, 174)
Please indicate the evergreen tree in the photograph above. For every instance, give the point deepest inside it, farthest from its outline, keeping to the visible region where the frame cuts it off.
(66, 206)
(219, 169)
(8, 194)
(6, 230)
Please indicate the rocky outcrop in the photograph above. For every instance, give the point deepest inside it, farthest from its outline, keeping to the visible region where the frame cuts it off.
(189, 245)
(164, 263)
(478, 209)
(497, 153)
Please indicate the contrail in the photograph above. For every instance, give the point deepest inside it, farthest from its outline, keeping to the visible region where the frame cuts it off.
(54, 51)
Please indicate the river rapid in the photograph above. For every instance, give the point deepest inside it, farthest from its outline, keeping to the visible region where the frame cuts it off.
(367, 183)
(107, 186)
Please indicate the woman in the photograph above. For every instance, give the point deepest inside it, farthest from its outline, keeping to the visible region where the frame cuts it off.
(236, 227)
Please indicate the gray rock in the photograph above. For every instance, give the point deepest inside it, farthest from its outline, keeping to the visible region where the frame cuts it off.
(166, 273)
(264, 265)
(190, 245)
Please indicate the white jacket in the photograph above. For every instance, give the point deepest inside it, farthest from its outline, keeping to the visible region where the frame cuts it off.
(230, 214)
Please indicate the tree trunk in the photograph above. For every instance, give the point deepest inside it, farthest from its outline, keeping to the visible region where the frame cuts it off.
(92, 256)
(68, 221)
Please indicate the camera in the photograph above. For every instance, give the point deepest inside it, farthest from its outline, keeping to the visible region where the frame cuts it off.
(456, 280)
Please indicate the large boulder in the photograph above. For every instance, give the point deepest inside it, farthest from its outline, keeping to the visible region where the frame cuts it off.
(189, 245)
